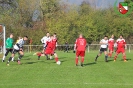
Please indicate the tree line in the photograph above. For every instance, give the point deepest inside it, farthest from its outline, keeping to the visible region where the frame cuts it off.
(36, 17)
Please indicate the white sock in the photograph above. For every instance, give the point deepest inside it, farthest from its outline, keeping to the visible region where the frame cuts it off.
(13, 59)
(50, 57)
(4, 57)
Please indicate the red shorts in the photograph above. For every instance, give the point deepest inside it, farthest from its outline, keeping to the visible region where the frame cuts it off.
(80, 53)
(122, 50)
(49, 52)
(111, 48)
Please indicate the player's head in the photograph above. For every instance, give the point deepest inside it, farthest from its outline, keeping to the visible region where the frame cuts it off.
(11, 35)
(25, 38)
(54, 34)
(112, 36)
(105, 37)
(47, 34)
(51, 37)
(19, 37)
(121, 36)
(80, 36)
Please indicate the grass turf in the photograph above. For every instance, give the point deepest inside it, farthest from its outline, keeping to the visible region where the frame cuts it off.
(33, 73)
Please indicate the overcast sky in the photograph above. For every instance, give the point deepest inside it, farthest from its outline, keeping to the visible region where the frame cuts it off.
(99, 3)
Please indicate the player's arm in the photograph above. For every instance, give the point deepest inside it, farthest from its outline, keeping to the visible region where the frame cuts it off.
(101, 42)
(7, 41)
(42, 40)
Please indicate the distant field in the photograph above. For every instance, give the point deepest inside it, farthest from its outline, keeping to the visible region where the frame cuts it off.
(33, 73)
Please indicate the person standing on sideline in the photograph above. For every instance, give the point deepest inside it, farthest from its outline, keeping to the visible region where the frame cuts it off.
(66, 47)
(9, 46)
(103, 48)
(80, 47)
(121, 46)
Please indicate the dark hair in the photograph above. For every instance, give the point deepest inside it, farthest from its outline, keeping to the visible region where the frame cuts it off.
(121, 35)
(54, 33)
(26, 36)
(105, 36)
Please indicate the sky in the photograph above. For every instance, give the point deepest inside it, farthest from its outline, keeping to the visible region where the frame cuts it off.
(99, 3)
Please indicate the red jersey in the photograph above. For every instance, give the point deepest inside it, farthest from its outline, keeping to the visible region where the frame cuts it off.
(111, 42)
(54, 41)
(50, 45)
(80, 44)
(121, 43)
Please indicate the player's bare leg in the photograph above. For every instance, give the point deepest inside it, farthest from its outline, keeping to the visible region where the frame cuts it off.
(106, 56)
(124, 56)
(100, 53)
(110, 53)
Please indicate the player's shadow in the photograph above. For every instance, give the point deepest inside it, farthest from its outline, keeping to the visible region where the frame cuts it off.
(126, 59)
(30, 62)
(110, 60)
(93, 63)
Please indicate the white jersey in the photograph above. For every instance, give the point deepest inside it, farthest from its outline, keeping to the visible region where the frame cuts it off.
(19, 44)
(104, 45)
(44, 40)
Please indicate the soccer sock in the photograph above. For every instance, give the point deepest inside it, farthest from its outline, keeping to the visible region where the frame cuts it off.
(20, 56)
(109, 54)
(10, 59)
(82, 60)
(115, 57)
(97, 56)
(56, 59)
(46, 56)
(106, 56)
(4, 57)
(124, 57)
(76, 60)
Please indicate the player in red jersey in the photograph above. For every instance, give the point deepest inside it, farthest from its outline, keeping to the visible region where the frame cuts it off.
(111, 45)
(54, 43)
(50, 49)
(121, 45)
(79, 47)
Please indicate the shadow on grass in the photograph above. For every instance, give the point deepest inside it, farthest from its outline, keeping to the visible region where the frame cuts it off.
(30, 62)
(90, 63)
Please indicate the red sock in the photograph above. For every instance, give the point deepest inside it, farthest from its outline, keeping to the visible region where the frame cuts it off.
(110, 54)
(124, 57)
(82, 59)
(115, 57)
(39, 54)
(76, 60)
(56, 59)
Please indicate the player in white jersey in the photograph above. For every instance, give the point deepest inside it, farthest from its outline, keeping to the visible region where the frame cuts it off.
(18, 47)
(103, 48)
(45, 39)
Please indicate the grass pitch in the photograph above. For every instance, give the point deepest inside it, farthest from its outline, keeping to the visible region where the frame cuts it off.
(33, 73)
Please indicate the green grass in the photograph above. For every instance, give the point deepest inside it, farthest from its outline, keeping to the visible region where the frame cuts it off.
(33, 73)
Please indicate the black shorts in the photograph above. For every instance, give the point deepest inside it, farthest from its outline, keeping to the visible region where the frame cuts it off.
(103, 49)
(9, 50)
(14, 51)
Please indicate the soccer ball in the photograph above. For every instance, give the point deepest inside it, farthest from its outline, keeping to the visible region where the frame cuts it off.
(58, 62)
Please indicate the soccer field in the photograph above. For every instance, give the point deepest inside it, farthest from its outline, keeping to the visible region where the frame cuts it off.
(33, 73)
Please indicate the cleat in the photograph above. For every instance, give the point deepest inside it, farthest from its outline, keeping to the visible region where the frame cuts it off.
(7, 64)
(3, 60)
(18, 62)
(76, 65)
(125, 60)
(81, 65)
(106, 61)
(114, 60)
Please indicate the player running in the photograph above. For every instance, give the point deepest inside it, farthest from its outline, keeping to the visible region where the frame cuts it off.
(18, 47)
(103, 48)
(50, 49)
(9, 46)
(111, 46)
(80, 47)
(121, 45)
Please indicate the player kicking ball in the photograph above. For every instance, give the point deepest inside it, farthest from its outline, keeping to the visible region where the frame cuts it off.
(50, 50)
(121, 46)
(103, 48)
(18, 47)
(80, 47)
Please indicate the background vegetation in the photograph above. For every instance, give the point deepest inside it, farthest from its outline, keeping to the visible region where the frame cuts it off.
(36, 17)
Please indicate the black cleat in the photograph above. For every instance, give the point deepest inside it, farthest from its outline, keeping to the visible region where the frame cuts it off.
(3, 60)
(81, 65)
